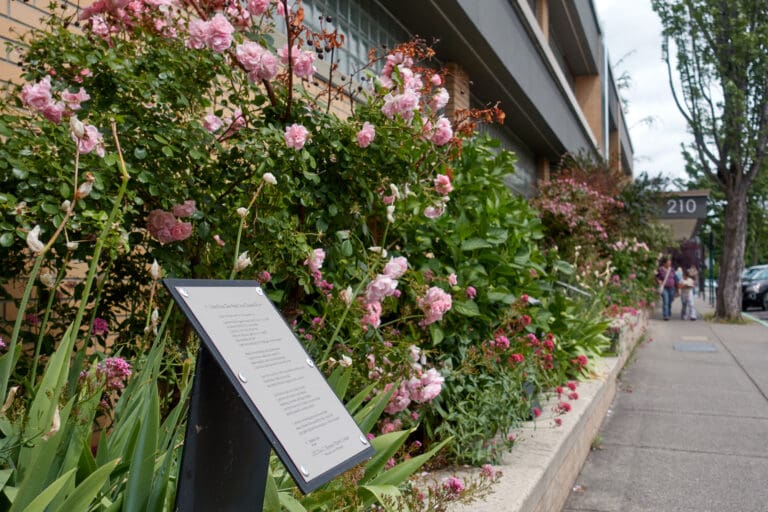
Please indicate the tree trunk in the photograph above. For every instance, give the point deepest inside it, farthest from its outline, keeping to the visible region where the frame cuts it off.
(732, 263)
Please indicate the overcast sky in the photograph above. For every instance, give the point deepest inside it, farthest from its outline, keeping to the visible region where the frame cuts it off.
(632, 26)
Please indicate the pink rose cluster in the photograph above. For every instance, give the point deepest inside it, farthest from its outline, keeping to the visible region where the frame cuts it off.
(257, 61)
(302, 62)
(315, 263)
(382, 286)
(215, 34)
(421, 388)
(40, 98)
(366, 135)
(166, 227)
(109, 17)
(435, 303)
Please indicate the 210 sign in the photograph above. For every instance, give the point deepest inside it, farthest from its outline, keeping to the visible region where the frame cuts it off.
(685, 207)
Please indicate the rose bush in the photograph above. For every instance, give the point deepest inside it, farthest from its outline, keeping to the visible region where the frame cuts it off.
(387, 238)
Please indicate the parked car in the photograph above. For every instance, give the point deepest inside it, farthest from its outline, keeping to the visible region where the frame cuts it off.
(749, 272)
(754, 290)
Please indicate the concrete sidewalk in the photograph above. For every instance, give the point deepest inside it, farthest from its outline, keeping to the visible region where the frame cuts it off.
(688, 430)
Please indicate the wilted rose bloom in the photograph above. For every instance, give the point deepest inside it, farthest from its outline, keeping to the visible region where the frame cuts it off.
(443, 132)
(90, 141)
(185, 209)
(243, 261)
(154, 270)
(159, 225)
(33, 241)
(396, 267)
(74, 99)
(391, 214)
(452, 279)
(269, 178)
(434, 305)
(346, 295)
(443, 184)
(181, 231)
(366, 135)
(433, 212)
(99, 327)
(296, 136)
(212, 123)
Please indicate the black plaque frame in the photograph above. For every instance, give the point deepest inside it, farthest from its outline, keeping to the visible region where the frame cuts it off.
(220, 406)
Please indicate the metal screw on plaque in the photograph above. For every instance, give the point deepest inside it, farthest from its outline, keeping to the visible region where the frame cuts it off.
(259, 291)
(183, 292)
(304, 471)
(310, 363)
(242, 377)
(363, 439)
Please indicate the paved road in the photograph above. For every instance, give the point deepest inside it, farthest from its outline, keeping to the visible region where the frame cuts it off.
(688, 430)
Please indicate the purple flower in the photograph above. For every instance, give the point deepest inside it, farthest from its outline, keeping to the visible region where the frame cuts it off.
(100, 326)
(453, 485)
(116, 370)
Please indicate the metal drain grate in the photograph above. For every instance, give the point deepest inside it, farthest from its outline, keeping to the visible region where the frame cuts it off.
(695, 347)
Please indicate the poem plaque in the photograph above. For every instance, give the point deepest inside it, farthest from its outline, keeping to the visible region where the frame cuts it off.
(299, 414)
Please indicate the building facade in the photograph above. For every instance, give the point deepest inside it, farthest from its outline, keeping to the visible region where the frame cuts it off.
(544, 61)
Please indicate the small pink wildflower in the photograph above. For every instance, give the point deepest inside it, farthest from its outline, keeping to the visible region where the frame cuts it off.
(100, 326)
(454, 485)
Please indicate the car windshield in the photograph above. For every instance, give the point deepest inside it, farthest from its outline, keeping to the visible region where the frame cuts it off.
(760, 275)
(752, 272)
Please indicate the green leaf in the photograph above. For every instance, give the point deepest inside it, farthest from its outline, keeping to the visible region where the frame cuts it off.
(367, 417)
(339, 380)
(167, 151)
(386, 446)
(44, 498)
(354, 403)
(139, 484)
(436, 334)
(5, 474)
(466, 308)
(404, 470)
(474, 244)
(6, 239)
(88, 489)
(290, 503)
(378, 492)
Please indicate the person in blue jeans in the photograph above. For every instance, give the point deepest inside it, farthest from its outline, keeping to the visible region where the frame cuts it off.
(667, 281)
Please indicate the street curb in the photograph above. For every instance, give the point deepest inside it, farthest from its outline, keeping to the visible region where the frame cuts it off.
(539, 473)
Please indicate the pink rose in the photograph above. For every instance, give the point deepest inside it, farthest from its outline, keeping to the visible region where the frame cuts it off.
(218, 34)
(433, 212)
(181, 231)
(443, 132)
(453, 280)
(372, 315)
(303, 65)
(443, 184)
(197, 34)
(257, 7)
(399, 401)
(186, 209)
(380, 288)
(212, 123)
(366, 135)
(53, 111)
(315, 260)
(471, 292)
(434, 304)
(439, 99)
(74, 99)
(396, 267)
(159, 224)
(426, 387)
(37, 95)
(295, 136)
(257, 60)
(90, 141)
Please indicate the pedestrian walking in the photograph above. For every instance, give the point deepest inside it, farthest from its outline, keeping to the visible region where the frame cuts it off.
(667, 281)
(687, 286)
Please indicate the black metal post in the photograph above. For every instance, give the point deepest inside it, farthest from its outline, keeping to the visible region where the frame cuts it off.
(226, 456)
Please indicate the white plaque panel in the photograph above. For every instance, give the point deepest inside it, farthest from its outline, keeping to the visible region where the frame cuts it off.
(290, 398)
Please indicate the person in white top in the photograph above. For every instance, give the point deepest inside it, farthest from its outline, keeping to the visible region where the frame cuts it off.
(686, 286)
